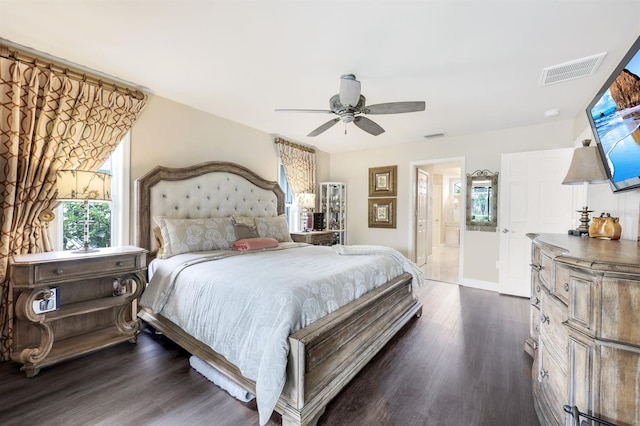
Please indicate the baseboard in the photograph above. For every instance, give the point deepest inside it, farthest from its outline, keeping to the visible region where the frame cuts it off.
(483, 285)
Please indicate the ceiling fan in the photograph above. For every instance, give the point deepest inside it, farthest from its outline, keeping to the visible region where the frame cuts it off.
(349, 104)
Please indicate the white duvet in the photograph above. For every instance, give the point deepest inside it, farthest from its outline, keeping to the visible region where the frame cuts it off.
(245, 305)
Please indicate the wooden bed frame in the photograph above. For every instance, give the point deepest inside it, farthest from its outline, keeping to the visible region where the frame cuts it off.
(324, 356)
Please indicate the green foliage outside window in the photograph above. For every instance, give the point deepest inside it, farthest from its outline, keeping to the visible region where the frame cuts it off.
(73, 225)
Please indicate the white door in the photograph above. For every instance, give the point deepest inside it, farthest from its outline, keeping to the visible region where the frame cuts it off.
(436, 211)
(421, 217)
(532, 199)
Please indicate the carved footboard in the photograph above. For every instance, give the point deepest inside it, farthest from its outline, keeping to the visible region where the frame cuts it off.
(324, 356)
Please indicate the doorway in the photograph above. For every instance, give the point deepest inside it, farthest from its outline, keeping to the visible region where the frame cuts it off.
(438, 211)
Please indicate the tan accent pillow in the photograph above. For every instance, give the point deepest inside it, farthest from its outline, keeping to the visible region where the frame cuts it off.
(274, 227)
(191, 235)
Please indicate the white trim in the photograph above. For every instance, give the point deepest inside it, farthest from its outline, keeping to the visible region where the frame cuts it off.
(121, 204)
(482, 285)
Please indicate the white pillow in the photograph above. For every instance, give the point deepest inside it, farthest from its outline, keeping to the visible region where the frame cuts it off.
(274, 227)
(189, 235)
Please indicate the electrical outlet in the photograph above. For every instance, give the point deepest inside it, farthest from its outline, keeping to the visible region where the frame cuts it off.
(48, 303)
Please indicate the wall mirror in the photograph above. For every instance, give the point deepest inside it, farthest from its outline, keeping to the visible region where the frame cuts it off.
(482, 201)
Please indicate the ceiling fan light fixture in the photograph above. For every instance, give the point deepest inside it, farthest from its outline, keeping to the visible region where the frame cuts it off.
(349, 90)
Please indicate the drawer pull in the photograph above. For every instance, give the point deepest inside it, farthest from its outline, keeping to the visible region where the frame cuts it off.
(120, 263)
(536, 267)
(542, 375)
(536, 301)
(566, 286)
(543, 319)
(537, 289)
(59, 272)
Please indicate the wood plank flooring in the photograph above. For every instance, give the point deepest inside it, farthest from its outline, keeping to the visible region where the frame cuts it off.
(462, 363)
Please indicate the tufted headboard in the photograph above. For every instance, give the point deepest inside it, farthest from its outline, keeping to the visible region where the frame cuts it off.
(212, 189)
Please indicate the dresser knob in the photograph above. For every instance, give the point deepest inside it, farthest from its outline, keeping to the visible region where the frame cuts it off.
(535, 267)
(544, 318)
(59, 272)
(120, 263)
(536, 301)
(542, 374)
(566, 286)
(537, 289)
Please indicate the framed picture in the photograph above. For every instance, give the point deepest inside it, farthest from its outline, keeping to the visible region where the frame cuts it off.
(382, 213)
(382, 181)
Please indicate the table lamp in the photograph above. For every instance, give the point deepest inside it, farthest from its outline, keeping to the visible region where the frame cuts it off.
(586, 167)
(80, 185)
(307, 203)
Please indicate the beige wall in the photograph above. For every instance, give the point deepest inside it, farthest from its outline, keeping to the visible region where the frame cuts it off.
(478, 151)
(172, 134)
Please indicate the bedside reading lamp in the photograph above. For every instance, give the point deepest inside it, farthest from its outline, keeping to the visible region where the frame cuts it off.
(586, 167)
(80, 185)
(307, 203)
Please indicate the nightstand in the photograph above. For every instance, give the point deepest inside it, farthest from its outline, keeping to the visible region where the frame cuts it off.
(319, 238)
(69, 304)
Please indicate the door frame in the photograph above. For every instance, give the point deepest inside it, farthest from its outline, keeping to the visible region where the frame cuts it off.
(413, 165)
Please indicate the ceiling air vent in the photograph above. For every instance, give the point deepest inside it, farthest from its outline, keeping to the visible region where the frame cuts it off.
(570, 70)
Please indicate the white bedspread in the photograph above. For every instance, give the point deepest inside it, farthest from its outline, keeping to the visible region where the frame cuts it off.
(245, 305)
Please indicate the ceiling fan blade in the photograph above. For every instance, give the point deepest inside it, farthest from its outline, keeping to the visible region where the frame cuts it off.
(349, 90)
(324, 127)
(395, 107)
(368, 126)
(324, 111)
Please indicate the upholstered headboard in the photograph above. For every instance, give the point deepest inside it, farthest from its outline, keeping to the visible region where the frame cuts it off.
(212, 189)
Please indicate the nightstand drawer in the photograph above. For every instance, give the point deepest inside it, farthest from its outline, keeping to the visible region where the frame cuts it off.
(66, 270)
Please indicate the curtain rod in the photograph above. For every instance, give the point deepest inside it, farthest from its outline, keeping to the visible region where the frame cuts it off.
(44, 62)
(295, 145)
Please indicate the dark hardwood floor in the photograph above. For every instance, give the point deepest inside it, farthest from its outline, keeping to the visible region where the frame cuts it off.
(462, 363)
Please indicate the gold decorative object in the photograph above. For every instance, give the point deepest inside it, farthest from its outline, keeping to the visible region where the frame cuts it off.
(382, 181)
(382, 213)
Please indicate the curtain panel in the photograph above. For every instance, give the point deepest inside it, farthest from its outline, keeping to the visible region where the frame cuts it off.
(299, 164)
(48, 122)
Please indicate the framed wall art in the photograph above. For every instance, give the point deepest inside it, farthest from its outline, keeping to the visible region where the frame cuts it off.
(382, 181)
(382, 213)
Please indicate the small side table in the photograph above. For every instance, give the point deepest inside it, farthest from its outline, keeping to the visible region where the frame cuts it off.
(68, 304)
(319, 238)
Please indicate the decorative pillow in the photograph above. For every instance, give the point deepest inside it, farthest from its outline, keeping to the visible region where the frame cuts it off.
(244, 229)
(248, 244)
(189, 235)
(274, 227)
(157, 235)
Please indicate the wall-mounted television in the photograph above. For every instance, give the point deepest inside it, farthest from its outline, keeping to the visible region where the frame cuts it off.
(614, 115)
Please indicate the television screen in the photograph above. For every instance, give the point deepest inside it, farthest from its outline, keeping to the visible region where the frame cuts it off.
(614, 115)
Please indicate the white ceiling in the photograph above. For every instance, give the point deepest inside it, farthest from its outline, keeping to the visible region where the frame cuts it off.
(477, 64)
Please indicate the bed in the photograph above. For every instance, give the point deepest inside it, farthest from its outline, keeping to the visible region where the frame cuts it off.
(320, 356)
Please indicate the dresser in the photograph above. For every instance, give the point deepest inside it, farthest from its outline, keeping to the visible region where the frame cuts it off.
(585, 328)
(68, 304)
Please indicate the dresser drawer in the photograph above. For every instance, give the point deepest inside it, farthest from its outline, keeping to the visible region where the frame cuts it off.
(546, 265)
(582, 291)
(553, 315)
(553, 381)
(560, 287)
(63, 271)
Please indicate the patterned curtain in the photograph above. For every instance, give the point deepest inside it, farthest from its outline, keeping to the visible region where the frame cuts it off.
(48, 121)
(299, 164)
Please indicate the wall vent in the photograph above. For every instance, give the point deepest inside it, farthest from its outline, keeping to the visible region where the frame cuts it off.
(570, 70)
(435, 135)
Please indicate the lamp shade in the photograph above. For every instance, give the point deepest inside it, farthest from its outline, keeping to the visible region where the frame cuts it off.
(307, 200)
(83, 185)
(586, 166)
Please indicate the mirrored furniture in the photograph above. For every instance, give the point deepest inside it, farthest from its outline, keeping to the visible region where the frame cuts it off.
(333, 203)
(482, 201)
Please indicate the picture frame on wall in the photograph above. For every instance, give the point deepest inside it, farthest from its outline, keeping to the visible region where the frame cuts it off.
(382, 181)
(382, 213)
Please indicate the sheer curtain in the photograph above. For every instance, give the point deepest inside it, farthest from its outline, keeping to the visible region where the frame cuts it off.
(299, 164)
(48, 121)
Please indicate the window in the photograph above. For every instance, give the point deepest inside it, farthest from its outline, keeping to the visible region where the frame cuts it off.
(108, 221)
(290, 209)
